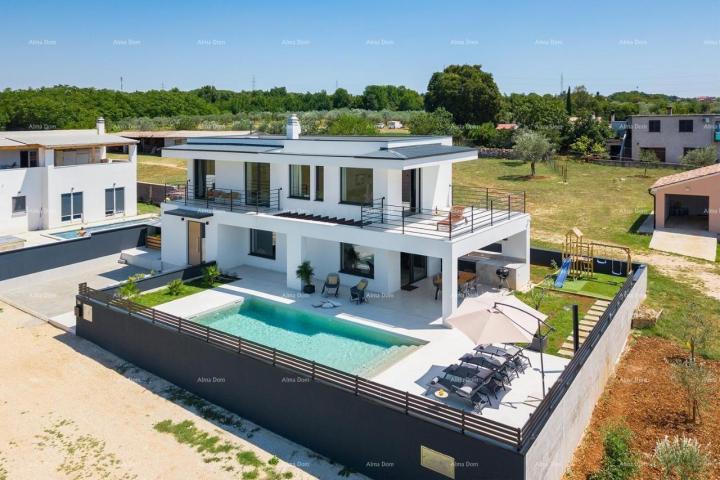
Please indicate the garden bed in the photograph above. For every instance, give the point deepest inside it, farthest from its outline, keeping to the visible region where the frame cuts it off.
(163, 294)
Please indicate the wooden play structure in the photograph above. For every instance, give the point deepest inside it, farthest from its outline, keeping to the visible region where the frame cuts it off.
(582, 255)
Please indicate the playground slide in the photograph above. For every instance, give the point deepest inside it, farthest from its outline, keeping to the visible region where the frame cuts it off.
(562, 276)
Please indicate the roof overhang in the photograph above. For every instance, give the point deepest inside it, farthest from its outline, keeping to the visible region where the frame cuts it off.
(188, 213)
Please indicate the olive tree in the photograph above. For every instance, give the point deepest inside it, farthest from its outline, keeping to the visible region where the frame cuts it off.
(532, 147)
(700, 157)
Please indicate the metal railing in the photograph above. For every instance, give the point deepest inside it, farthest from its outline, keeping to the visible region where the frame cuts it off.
(473, 209)
(410, 404)
(545, 409)
(233, 200)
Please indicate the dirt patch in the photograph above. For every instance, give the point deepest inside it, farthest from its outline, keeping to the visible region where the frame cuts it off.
(643, 394)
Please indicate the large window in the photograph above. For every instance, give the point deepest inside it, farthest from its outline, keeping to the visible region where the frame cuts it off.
(685, 126)
(28, 158)
(114, 200)
(18, 205)
(262, 243)
(356, 185)
(654, 126)
(319, 183)
(257, 183)
(357, 260)
(71, 206)
(300, 181)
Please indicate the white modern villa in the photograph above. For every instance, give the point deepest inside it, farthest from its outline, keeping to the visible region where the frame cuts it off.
(54, 178)
(382, 209)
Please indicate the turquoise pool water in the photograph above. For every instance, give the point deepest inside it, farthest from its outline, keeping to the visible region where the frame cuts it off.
(347, 346)
(69, 234)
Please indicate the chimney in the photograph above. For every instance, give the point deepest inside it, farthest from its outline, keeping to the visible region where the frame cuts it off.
(293, 127)
(669, 110)
(100, 125)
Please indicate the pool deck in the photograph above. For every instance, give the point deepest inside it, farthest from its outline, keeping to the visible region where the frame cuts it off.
(412, 313)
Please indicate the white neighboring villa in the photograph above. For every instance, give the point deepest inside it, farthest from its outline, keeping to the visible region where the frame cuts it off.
(53, 178)
(375, 208)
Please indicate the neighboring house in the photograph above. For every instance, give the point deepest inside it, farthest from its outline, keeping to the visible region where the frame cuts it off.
(506, 126)
(51, 178)
(689, 199)
(151, 142)
(375, 208)
(672, 136)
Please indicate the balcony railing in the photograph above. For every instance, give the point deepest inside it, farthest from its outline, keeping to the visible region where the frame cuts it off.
(228, 199)
(473, 209)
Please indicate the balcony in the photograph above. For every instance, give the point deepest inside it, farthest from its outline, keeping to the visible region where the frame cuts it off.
(473, 209)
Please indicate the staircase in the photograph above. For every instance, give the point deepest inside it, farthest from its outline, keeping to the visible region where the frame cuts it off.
(587, 323)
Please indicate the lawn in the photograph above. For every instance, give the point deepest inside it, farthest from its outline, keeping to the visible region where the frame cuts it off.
(157, 297)
(606, 203)
(152, 169)
(146, 208)
(600, 285)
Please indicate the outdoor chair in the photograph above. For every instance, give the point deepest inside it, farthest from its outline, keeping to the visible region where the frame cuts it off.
(505, 369)
(357, 293)
(470, 390)
(437, 283)
(332, 281)
(456, 215)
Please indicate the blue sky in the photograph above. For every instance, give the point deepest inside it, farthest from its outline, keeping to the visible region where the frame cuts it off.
(659, 46)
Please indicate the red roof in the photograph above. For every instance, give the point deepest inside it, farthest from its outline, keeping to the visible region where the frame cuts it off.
(687, 175)
(506, 126)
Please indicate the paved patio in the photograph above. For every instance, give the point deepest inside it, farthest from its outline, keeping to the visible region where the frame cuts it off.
(413, 313)
(691, 243)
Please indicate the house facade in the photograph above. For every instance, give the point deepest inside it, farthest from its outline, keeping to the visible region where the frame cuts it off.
(380, 208)
(672, 136)
(53, 178)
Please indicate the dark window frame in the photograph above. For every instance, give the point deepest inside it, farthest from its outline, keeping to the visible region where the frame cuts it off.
(319, 183)
(75, 199)
(683, 125)
(654, 123)
(351, 271)
(303, 170)
(116, 194)
(15, 210)
(253, 245)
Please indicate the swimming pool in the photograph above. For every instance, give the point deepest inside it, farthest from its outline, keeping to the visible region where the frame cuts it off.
(340, 344)
(70, 234)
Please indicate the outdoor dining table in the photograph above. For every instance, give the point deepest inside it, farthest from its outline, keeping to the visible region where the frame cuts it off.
(463, 277)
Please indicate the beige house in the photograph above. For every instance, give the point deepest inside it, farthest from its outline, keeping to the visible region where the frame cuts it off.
(689, 200)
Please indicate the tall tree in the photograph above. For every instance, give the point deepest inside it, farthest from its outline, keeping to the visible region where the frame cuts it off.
(467, 92)
(568, 102)
(531, 147)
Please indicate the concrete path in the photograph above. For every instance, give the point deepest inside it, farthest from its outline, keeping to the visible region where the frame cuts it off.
(691, 243)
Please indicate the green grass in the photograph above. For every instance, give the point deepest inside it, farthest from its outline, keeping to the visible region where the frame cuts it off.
(145, 208)
(152, 299)
(606, 203)
(152, 169)
(186, 432)
(600, 285)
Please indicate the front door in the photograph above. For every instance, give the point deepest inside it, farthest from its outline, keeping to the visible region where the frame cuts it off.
(194, 242)
(412, 268)
(411, 191)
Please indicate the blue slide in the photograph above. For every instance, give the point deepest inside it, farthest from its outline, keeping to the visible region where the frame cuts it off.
(562, 276)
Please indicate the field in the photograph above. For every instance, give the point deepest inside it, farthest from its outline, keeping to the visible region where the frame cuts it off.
(152, 169)
(607, 204)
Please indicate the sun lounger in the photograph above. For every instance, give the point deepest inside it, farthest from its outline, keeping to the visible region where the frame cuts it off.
(456, 215)
(505, 367)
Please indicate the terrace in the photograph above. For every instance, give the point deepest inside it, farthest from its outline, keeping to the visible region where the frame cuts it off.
(473, 209)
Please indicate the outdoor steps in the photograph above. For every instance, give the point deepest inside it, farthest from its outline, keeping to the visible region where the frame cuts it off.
(587, 323)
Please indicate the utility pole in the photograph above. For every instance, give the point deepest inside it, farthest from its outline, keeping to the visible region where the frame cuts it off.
(121, 83)
(253, 82)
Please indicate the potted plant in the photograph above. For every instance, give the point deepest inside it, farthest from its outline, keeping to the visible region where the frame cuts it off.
(305, 273)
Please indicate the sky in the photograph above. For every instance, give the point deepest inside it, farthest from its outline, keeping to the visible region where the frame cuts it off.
(659, 46)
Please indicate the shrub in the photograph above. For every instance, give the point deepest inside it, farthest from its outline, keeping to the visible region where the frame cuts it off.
(619, 462)
(696, 381)
(175, 287)
(681, 457)
(210, 274)
(700, 157)
(129, 289)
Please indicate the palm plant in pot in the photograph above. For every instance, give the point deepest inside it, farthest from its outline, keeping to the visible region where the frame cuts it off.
(305, 273)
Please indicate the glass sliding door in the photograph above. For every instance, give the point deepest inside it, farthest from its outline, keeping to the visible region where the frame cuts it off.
(411, 191)
(204, 174)
(412, 268)
(257, 183)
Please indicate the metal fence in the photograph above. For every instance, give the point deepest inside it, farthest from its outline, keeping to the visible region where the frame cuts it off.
(232, 200)
(414, 405)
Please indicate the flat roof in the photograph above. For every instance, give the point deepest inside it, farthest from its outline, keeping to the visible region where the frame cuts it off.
(181, 133)
(186, 212)
(60, 139)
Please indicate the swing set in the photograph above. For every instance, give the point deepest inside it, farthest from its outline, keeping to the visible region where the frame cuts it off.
(582, 255)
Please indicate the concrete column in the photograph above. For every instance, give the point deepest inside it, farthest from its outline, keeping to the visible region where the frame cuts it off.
(392, 260)
(518, 246)
(132, 153)
(449, 286)
(294, 257)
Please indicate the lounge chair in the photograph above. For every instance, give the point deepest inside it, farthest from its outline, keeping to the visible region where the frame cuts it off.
(357, 293)
(471, 390)
(504, 368)
(332, 281)
(456, 215)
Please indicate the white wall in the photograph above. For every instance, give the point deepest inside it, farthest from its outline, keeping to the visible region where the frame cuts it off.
(92, 180)
(233, 249)
(174, 240)
(26, 182)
